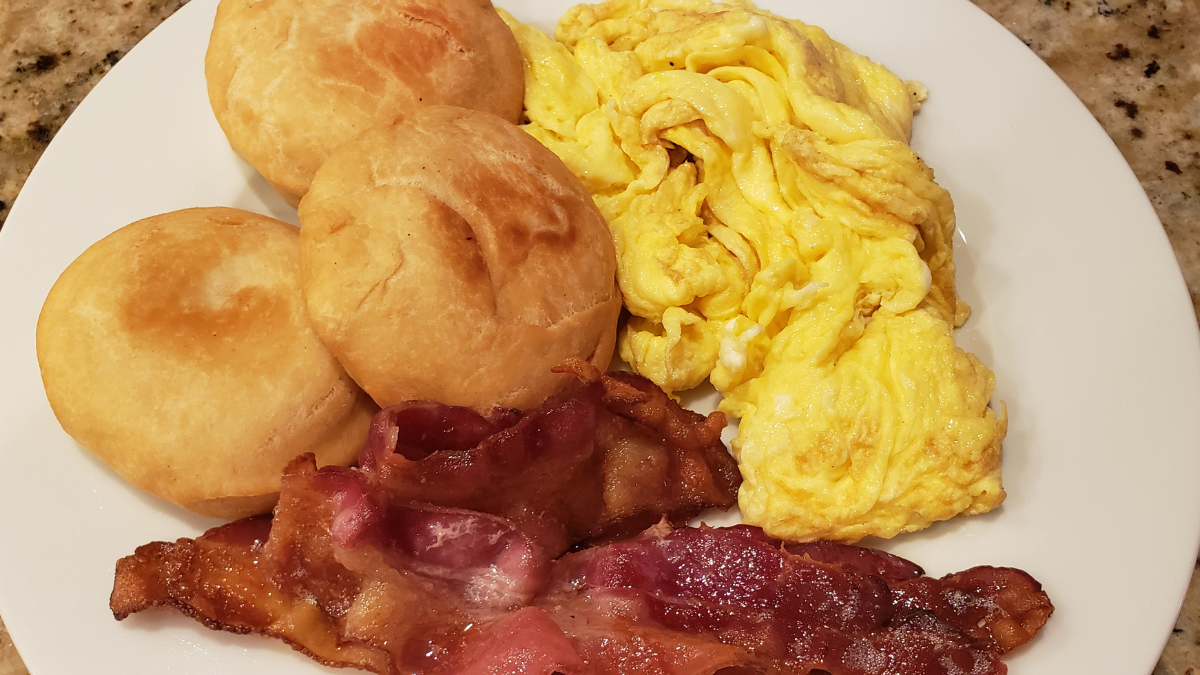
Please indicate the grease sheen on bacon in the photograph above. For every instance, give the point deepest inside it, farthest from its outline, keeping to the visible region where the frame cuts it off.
(345, 575)
(606, 457)
(771, 610)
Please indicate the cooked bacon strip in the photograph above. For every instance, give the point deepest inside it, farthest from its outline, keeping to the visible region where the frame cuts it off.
(659, 459)
(346, 575)
(788, 611)
(218, 580)
(355, 579)
(540, 472)
(733, 585)
(407, 579)
(639, 400)
(334, 517)
(918, 644)
(357, 569)
(604, 458)
(999, 607)
(735, 574)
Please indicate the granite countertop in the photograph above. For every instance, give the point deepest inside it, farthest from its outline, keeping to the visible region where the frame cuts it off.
(1131, 62)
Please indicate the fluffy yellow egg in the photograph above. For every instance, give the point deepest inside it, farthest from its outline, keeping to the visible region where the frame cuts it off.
(777, 236)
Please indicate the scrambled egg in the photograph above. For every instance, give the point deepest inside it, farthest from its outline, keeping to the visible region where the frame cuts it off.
(776, 235)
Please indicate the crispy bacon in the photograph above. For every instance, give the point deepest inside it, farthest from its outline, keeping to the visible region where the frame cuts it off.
(218, 579)
(355, 579)
(999, 607)
(408, 580)
(346, 576)
(822, 610)
(437, 557)
(602, 459)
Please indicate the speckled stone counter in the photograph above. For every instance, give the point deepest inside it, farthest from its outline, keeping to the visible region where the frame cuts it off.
(1136, 65)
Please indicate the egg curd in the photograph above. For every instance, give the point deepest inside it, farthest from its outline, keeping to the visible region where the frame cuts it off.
(776, 235)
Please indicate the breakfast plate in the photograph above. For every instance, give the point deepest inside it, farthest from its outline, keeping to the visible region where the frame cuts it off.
(1078, 304)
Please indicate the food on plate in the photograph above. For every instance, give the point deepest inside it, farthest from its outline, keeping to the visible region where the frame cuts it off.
(783, 610)
(178, 350)
(602, 459)
(352, 577)
(449, 257)
(776, 235)
(291, 80)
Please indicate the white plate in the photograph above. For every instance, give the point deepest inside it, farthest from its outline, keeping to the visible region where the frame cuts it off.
(1079, 308)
